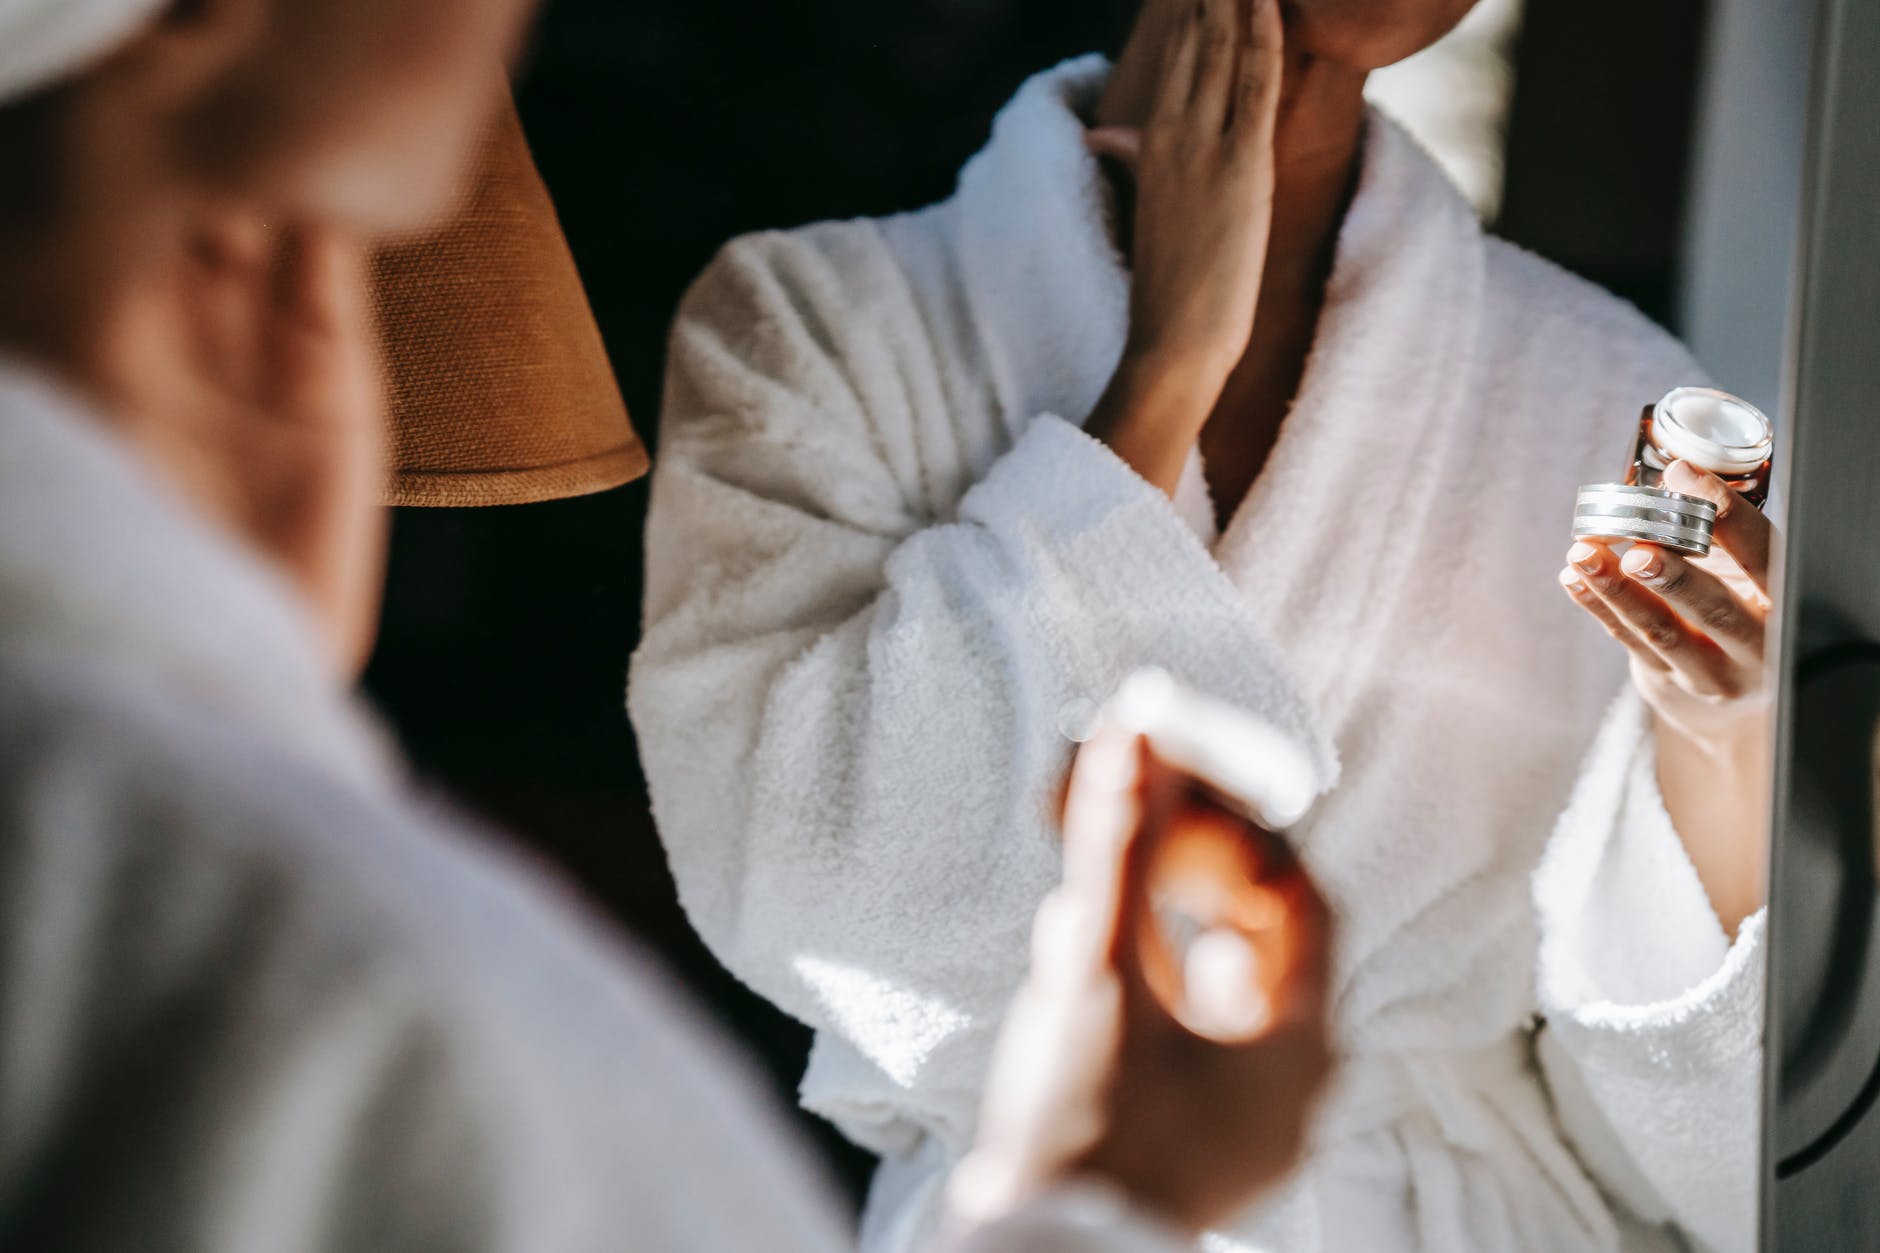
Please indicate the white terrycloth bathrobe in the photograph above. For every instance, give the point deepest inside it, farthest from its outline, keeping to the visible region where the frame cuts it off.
(890, 575)
(257, 995)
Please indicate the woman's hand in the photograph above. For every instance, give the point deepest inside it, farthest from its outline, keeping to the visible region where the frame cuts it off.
(1205, 174)
(1183, 1080)
(247, 370)
(1694, 630)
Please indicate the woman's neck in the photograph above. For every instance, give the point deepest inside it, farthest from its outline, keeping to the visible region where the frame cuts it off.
(1317, 150)
(1318, 146)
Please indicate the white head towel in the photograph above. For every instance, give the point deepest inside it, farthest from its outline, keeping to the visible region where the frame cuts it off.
(42, 41)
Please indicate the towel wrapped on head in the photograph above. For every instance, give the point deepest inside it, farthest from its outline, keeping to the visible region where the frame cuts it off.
(43, 41)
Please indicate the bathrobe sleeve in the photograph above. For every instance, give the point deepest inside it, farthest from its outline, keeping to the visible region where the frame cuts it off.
(1653, 1017)
(874, 615)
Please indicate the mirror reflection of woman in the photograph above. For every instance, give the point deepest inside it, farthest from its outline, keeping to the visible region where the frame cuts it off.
(1204, 366)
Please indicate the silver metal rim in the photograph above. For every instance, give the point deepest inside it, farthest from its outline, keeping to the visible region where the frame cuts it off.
(1682, 539)
(1698, 528)
(1664, 500)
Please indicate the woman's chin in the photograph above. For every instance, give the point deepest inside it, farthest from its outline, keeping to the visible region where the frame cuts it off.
(1368, 34)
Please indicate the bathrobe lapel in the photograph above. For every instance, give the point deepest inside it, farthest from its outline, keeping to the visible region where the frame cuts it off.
(1325, 542)
(1364, 446)
(1043, 277)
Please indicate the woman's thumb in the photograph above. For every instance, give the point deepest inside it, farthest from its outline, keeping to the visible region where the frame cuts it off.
(1119, 143)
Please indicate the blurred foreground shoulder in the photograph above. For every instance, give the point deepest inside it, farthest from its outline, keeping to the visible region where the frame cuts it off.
(258, 1008)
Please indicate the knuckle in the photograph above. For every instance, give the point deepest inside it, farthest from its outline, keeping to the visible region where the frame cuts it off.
(1663, 636)
(1718, 618)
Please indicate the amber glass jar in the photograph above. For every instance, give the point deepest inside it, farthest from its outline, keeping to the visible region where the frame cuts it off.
(1711, 429)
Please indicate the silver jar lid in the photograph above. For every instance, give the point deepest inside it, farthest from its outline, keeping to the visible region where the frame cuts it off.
(1655, 515)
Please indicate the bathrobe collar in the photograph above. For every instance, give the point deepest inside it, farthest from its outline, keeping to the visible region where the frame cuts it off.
(1379, 408)
(1043, 274)
(103, 569)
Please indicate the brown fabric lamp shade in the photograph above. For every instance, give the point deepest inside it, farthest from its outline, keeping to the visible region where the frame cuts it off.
(499, 388)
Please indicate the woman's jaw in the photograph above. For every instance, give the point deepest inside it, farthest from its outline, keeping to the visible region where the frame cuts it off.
(1366, 35)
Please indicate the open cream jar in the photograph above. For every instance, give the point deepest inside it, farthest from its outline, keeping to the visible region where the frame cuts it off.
(1713, 430)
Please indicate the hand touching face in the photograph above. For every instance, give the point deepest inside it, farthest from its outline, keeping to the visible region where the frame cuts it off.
(1204, 172)
(246, 371)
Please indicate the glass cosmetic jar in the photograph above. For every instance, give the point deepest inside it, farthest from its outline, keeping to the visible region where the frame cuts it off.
(1724, 435)
(1712, 430)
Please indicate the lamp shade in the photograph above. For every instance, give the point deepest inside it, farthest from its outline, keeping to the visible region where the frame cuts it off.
(499, 390)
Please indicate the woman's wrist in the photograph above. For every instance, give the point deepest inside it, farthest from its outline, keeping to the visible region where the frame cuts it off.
(1715, 790)
(1183, 371)
(1729, 737)
(1152, 412)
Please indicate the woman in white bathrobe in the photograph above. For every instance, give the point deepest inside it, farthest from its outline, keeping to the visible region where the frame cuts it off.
(256, 992)
(927, 492)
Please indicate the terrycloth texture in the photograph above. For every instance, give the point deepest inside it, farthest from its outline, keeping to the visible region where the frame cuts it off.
(1646, 998)
(1081, 1218)
(254, 995)
(42, 41)
(888, 574)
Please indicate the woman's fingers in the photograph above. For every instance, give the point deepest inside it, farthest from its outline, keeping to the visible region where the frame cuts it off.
(1144, 960)
(1122, 144)
(1215, 62)
(221, 302)
(1699, 597)
(1575, 584)
(1742, 529)
(1177, 87)
(1102, 820)
(318, 335)
(1223, 65)
(1304, 981)
(1258, 74)
(1703, 667)
(319, 285)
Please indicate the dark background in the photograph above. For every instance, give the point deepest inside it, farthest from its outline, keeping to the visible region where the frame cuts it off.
(665, 128)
